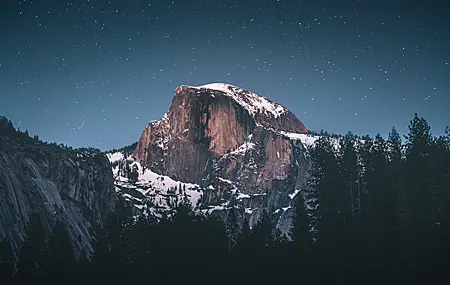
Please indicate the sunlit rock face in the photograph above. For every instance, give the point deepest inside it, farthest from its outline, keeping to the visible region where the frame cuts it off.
(234, 143)
(207, 122)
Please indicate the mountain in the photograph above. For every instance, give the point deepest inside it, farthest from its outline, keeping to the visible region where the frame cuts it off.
(237, 149)
(219, 147)
(204, 123)
(59, 183)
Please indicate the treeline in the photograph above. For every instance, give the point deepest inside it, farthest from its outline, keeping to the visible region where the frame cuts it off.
(185, 248)
(9, 132)
(382, 208)
(325, 133)
(126, 150)
(380, 214)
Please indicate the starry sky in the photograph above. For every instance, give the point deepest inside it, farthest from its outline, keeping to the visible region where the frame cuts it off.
(94, 72)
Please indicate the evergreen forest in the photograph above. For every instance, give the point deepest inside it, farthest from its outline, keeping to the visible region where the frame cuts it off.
(378, 212)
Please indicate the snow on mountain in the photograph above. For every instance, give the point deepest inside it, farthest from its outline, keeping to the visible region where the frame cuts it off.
(241, 150)
(113, 157)
(306, 139)
(292, 195)
(154, 194)
(309, 140)
(243, 196)
(252, 102)
(148, 191)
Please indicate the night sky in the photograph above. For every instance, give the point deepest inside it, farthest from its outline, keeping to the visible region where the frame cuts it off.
(93, 73)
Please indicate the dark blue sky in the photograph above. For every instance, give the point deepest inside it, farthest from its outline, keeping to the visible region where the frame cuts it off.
(93, 73)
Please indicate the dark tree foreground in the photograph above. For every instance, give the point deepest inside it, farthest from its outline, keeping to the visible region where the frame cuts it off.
(380, 214)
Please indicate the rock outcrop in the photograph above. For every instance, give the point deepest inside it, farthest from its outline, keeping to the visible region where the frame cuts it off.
(206, 122)
(232, 142)
(73, 185)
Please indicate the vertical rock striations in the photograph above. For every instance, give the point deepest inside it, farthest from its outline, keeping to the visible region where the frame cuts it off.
(232, 142)
(73, 185)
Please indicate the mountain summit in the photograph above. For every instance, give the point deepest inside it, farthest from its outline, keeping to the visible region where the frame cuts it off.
(205, 122)
(235, 144)
(256, 105)
(252, 102)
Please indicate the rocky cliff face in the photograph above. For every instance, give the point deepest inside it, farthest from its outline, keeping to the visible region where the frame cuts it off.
(73, 185)
(234, 143)
(206, 122)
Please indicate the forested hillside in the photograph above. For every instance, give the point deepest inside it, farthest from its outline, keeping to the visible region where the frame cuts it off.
(381, 216)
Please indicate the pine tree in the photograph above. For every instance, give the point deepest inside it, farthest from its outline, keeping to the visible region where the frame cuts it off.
(394, 147)
(300, 249)
(233, 229)
(262, 233)
(379, 218)
(348, 162)
(418, 149)
(396, 177)
(240, 257)
(437, 186)
(113, 245)
(83, 266)
(281, 246)
(102, 258)
(333, 249)
(142, 257)
(259, 247)
(133, 174)
(300, 228)
(33, 257)
(442, 254)
(127, 170)
(7, 267)
(61, 248)
(212, 246)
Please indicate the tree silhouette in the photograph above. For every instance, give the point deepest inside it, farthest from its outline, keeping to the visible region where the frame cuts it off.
(7, 267)
(61, 249)
(33, 256)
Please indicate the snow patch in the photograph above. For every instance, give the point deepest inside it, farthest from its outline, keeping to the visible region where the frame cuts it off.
(161, 193)
(113, 157)
(249, 211)
(225, 180)
(310, 140)
(292, 195)
(252, 102)
(242, 196)
(307, 140)
(242, 149)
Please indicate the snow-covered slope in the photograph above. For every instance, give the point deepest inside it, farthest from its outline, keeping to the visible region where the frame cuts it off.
(239, 151)
(252, 102)
(158, 195)
(150, 192)
(309, 140)
(306, 139)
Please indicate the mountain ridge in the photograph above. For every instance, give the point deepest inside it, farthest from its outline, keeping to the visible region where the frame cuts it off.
(74, 186)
